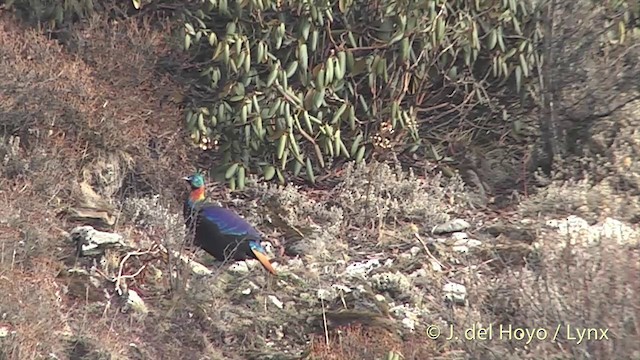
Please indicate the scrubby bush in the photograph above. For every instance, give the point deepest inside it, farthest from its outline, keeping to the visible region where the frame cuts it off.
(291, 86)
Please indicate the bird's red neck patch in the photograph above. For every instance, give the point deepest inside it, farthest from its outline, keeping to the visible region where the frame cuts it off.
(197, 195)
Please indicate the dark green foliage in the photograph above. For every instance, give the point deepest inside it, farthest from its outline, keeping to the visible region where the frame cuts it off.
(293, 86)
(52, 12)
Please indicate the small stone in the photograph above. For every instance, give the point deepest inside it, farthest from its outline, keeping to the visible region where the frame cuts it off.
(199, 269)
(240, 267)
(454, 225)
(276, 301)
(414, 251)
(435, 265)
(362, 268)
(341, 288)
(295, 263)
(468, 242)
(397, 282)
(326, 295)
(459, 236)
(4, 331)
(460, 249)
(268, 246)
(135, 302)
(409, 323)
(456, 293)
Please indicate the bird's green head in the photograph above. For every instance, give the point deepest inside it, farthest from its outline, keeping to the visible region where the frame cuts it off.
(196, 180)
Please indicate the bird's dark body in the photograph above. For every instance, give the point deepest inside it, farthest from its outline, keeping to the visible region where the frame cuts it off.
(219, 231)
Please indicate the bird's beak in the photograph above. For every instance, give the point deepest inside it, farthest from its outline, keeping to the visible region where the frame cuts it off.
(186, 178)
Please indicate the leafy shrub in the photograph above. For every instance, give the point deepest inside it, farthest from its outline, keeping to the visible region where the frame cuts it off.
(293, 86)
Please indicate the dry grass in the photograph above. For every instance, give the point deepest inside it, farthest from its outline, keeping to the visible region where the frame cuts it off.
(70, 116)
(564, 288)
(583, 288)
(80, 107)
(30, 305)
(356, 342)
(101, 107)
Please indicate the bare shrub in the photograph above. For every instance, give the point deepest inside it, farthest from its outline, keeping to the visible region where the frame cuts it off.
(32, 311)
(357, 342)
(378, 191)
(590, 288)
(585, 194)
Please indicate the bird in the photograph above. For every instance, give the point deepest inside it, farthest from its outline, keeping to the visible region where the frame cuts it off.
(219, 231)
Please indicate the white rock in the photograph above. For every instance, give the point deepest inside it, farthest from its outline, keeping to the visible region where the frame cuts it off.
(409, 323)
(459, 235)
(454, 292)
(419, 273)
(295, 263)
(326, 295)
(414, 251)
(460, 249)
(471, 243)
(135, 302)
(92, 241)
(276, 301)
(268, 246)
(435, 265)
(252, 286)
(240, 267)
(622, 233)
(410, 316)
(4, 331)
(341, 288)
(578, 231)
(362, 268)
(199, 269)
(454, 225)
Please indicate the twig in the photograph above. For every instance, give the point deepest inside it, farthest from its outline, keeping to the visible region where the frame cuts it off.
(424, 245)
(13, 259)
(119, 278)
(324, 322)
